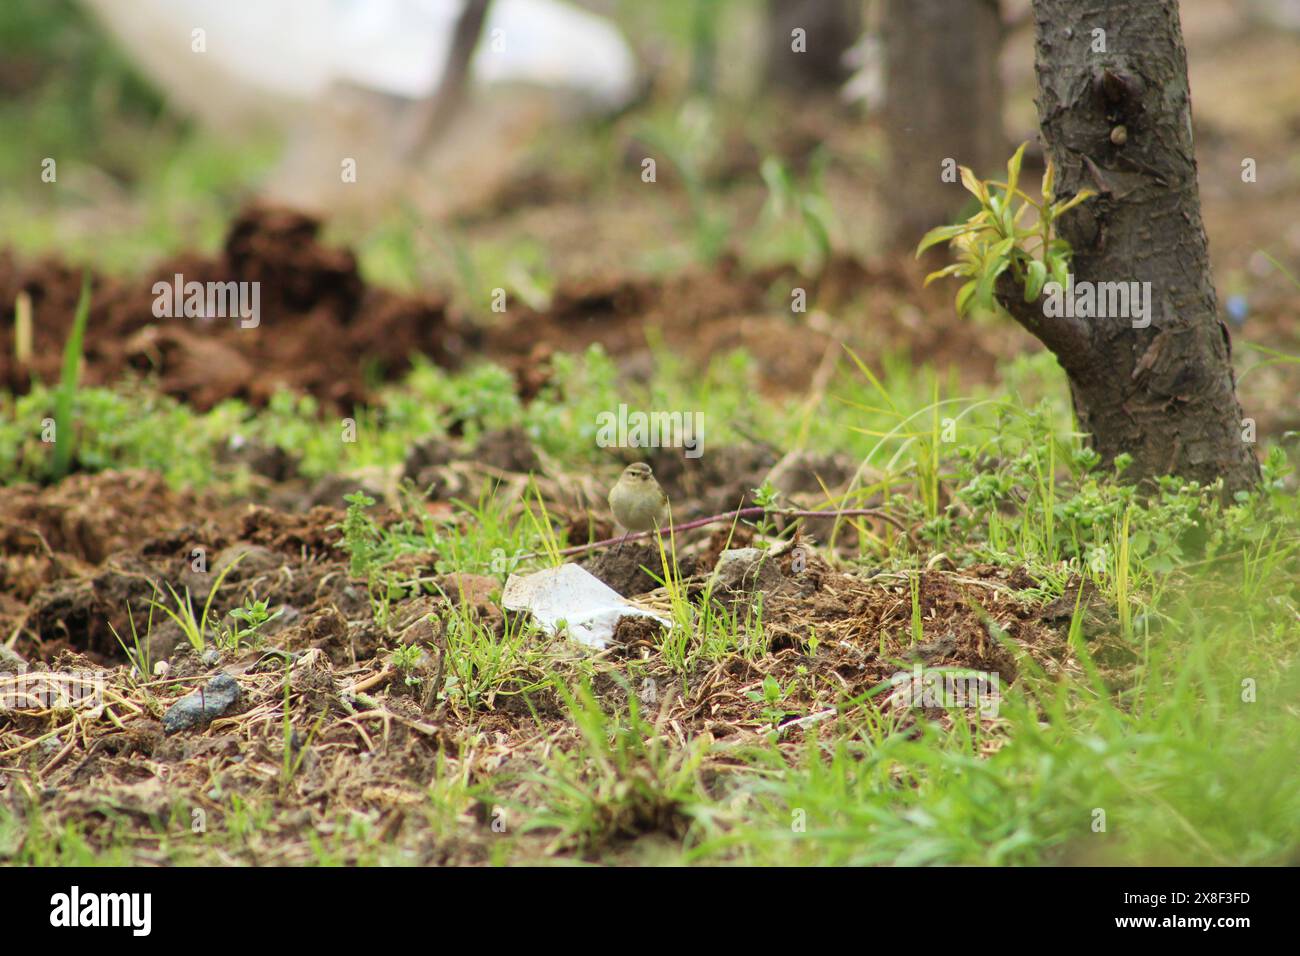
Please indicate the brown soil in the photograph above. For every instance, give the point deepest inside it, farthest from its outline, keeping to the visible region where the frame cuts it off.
(325, 332)
(321, 328)
(82, 563)
(95, 550)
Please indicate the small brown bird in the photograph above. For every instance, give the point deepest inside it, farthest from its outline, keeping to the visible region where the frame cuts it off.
(638, 503)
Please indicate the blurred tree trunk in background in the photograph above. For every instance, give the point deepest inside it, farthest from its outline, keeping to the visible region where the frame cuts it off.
(943, 101)
(1115, 110)
(830, 28)
(435, 114)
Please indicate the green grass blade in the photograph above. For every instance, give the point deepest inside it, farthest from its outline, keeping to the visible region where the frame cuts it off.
(68, 383)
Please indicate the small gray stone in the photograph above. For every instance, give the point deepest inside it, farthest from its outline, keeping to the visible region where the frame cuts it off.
(11, 662)
(745, 569)
(204, 705)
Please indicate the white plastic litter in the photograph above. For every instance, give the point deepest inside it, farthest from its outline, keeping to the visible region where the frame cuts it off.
(344, 85)
(265, 56)
(572, 600)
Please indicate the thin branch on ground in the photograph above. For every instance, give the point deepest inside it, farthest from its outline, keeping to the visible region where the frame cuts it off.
(736, 515)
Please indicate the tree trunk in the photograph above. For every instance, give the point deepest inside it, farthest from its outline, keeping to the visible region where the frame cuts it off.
(1115, 111)
(943, 102)
(830, 28)
(435, 114)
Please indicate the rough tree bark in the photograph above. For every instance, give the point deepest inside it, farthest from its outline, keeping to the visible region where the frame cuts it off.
(1115, 112)
(943, 100)
(830, 28)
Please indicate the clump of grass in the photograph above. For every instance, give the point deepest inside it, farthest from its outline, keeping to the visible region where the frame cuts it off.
(248, 621)
(1182, 767)
(797, 221)
(688, 140)
(195, 627)
(23, 329)
(138, 651)
(360, 535)
(624, 781)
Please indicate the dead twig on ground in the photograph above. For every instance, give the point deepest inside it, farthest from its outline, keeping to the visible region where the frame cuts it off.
(738, 514)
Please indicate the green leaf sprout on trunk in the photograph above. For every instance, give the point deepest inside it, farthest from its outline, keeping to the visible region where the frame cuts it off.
(995, 240)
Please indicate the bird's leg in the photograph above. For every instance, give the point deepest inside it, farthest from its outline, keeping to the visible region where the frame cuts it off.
(621, 540)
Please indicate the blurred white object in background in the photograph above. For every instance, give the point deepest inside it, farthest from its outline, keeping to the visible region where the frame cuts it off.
(339, 75)
(1284, 14)
(266, 55)
(867, 84)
